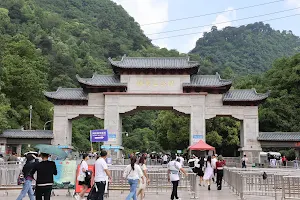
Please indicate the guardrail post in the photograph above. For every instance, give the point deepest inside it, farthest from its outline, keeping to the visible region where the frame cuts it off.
(275, 187)
(6, 181)
(283, 187)
(156, 183)
(193, 182)
(242, 186)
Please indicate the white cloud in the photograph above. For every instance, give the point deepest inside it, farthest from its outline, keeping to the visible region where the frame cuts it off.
(148, 11)
(293, 3)
(221, 21)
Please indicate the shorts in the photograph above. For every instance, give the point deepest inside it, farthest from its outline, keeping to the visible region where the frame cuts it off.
(86, 182)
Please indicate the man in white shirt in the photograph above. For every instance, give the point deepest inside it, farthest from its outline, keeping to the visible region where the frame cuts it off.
(165, 159)
(244, 161)
(174, 169)
(101, 172)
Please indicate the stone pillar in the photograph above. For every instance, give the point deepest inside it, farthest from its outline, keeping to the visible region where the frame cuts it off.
(197, 120)
(113, 124)
(249, 134)
(19, 149)
(62, 130)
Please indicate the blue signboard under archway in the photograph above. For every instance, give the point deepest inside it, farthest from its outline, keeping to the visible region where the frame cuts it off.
(100, 135)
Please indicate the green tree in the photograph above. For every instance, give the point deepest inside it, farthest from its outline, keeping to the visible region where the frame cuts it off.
(4, 19)
(172, 130)
(246, 49)
(142, 140)
(223, 129)
(214, 139)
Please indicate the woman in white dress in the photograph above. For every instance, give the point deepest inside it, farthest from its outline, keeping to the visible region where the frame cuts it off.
(142, 186)
(209, 172)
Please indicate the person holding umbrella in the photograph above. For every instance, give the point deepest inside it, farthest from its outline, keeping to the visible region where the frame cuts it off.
(28, 176)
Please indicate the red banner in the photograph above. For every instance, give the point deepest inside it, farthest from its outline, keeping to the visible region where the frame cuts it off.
(78, 187)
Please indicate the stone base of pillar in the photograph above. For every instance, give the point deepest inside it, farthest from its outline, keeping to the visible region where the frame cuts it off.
(253, 155)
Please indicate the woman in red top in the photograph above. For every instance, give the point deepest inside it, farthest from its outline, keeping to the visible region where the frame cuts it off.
(284, 161)
(220, 170)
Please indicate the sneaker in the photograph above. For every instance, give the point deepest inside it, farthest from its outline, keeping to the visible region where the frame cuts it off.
(209, 187)
(77, 197)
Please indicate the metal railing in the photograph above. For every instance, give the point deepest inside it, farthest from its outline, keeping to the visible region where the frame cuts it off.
(157, 175)
(279, 183)
(158, 181)
(291, 187)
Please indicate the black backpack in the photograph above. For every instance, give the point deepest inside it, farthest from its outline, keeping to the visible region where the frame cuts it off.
(192, 164)
(265, 175)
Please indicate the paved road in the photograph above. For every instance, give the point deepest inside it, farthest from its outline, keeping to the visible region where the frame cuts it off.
(202, 193)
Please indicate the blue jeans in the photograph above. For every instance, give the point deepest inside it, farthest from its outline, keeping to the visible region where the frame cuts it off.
(27, 188)
(133, 185)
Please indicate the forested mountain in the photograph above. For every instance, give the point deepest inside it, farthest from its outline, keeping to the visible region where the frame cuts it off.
(281, 110)
(245, 49)
(44, 44)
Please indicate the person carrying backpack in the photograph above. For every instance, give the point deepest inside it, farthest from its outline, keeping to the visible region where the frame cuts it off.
(174, 169)
(27, 173)
(83, 179)
(200, 172)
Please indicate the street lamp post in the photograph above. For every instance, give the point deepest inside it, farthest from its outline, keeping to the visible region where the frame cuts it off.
(126, 133)
(30, 116)
(46, 124)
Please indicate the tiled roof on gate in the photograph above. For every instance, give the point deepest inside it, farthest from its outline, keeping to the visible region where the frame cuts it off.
(101, 80)
(207, 81)
(67, 94)
(279, 136)
(154, 63)
(244, 95)
(28, 134)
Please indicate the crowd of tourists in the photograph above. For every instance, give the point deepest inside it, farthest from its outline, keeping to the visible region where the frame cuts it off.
(209, 170)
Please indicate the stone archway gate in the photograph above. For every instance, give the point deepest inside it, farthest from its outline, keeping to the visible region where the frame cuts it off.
(157, 82)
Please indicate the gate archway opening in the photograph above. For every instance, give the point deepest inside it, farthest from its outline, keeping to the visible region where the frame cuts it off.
(81, 127)
(224, 133)
(155, 129)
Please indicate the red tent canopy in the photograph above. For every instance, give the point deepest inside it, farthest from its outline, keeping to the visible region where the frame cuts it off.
(201, 146)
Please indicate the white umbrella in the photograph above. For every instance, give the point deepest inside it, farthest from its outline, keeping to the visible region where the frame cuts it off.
(31, 152)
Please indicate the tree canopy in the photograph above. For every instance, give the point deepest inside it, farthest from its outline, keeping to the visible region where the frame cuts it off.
(44, 44)
(246, 49)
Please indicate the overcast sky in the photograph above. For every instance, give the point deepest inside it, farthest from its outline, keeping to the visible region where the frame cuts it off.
(151, 11)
